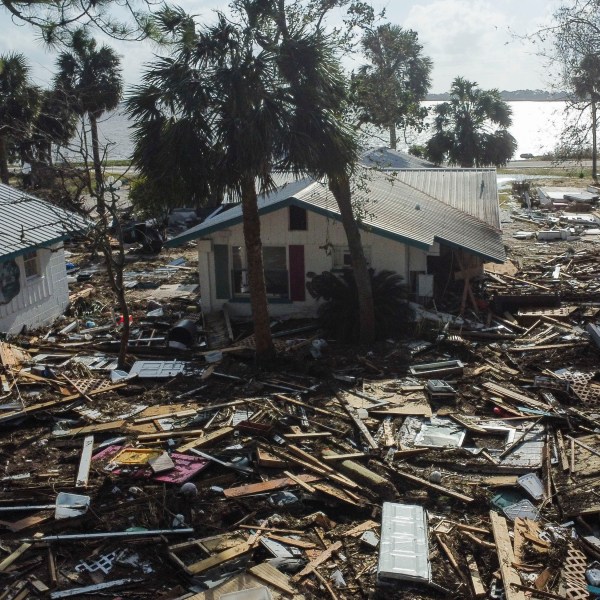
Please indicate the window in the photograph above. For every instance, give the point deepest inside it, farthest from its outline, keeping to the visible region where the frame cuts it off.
(298, 219)
(275, 266)
(342, 259)
(32, 265)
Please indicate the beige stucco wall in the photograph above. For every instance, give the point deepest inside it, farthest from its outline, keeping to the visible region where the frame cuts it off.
(322, 233)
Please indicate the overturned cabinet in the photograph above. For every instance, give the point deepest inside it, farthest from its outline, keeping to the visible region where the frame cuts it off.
(404, 547)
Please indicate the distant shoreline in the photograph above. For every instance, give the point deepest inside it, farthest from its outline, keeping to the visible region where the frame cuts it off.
(514, 96)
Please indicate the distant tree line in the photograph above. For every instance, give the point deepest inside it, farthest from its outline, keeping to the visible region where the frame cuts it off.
(515, 96)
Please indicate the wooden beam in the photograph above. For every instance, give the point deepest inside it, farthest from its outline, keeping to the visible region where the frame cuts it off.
(325, 555)
(206, 440)
(266, 486)
(506, 557)
(11, 558)
(214, 561)
(434, 486)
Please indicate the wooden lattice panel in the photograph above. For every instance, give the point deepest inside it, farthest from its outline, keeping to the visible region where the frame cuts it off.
(91, 384)
(577, 377)
(573, 574)
(587, 394)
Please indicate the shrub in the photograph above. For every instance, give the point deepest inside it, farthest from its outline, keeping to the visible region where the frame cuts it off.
(339, 313)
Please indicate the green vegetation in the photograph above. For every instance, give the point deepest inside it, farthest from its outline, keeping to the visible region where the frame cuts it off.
(471, 129)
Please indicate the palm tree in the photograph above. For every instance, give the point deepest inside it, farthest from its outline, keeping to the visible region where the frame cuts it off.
(389, 90)
(19, 102)
(586, 85)
(471, 128)
(90, 76)
(251, 98)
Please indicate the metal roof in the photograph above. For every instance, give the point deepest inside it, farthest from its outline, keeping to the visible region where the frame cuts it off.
(394, 210)
(473, 191)
(26, 222)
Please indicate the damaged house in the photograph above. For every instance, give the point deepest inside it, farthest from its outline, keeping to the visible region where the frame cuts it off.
(427, 224)
(33, 277)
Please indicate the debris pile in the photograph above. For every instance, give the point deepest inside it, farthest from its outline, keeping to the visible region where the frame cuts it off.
(461, 462)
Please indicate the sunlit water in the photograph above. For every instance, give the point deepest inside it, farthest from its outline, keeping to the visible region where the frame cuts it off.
(536, 127)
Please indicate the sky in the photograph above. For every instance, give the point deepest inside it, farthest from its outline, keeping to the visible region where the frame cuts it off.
(476, 39)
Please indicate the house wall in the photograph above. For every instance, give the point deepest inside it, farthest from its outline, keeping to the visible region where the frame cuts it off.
(321, 236)
(40, 299)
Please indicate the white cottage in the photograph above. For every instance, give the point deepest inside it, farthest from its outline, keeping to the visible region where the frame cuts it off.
(33, 277)
(423, 223)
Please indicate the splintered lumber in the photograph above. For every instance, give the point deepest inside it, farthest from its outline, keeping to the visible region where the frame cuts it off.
(334, 457)
(301, 483)
(11, 558)
(271, 529)
(434, 486)
(506, 557)
(218, 559)
(266, 459)
(111, 426)
(272, 576)
(33, 408)
(85, 461)
(356, 531)
(289, 541)
(206, 440)
(321, 411)
(478, 589)
(358, 422)
(325, 555)
(266, 486)
(515, 396)
(165, 435)
(307, 436)
(312, 464)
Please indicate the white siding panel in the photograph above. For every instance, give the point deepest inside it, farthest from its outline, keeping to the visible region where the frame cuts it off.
(41, 299)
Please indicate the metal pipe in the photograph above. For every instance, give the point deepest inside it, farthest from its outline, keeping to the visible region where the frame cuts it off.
(106, 534)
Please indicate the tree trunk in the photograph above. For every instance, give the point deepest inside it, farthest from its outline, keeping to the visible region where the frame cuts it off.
(393, 137)
(115, 268)
(340, 188)
(101, 207)
(594, 142)
(4, 174)
(265, 350)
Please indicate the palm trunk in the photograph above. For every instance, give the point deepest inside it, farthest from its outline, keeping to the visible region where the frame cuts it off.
(340, 188)
(594, 144)
(97, 163)
(393, 137)
(4, 174)
(265, 350)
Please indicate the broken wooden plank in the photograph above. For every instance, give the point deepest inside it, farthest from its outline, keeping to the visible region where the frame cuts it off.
(11, 558)
(207, 440)
(358, 422)
(289, 541)
(516, 396)
(476, 583)
(434, 486)
(272, 576)
(325, 555)
(266, 486)
(301, 483)
(214, 561)
(84, 462)
(506, 557)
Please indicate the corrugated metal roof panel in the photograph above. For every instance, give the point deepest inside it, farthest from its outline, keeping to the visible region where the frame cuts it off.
(473, 191)
(391, 207)
(27, 222)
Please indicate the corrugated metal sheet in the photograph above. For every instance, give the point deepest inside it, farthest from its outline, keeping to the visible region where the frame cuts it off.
(473, 191)
(27, 222)
(392, 208)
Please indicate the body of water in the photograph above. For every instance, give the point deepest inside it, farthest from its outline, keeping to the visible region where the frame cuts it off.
(536, 127)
